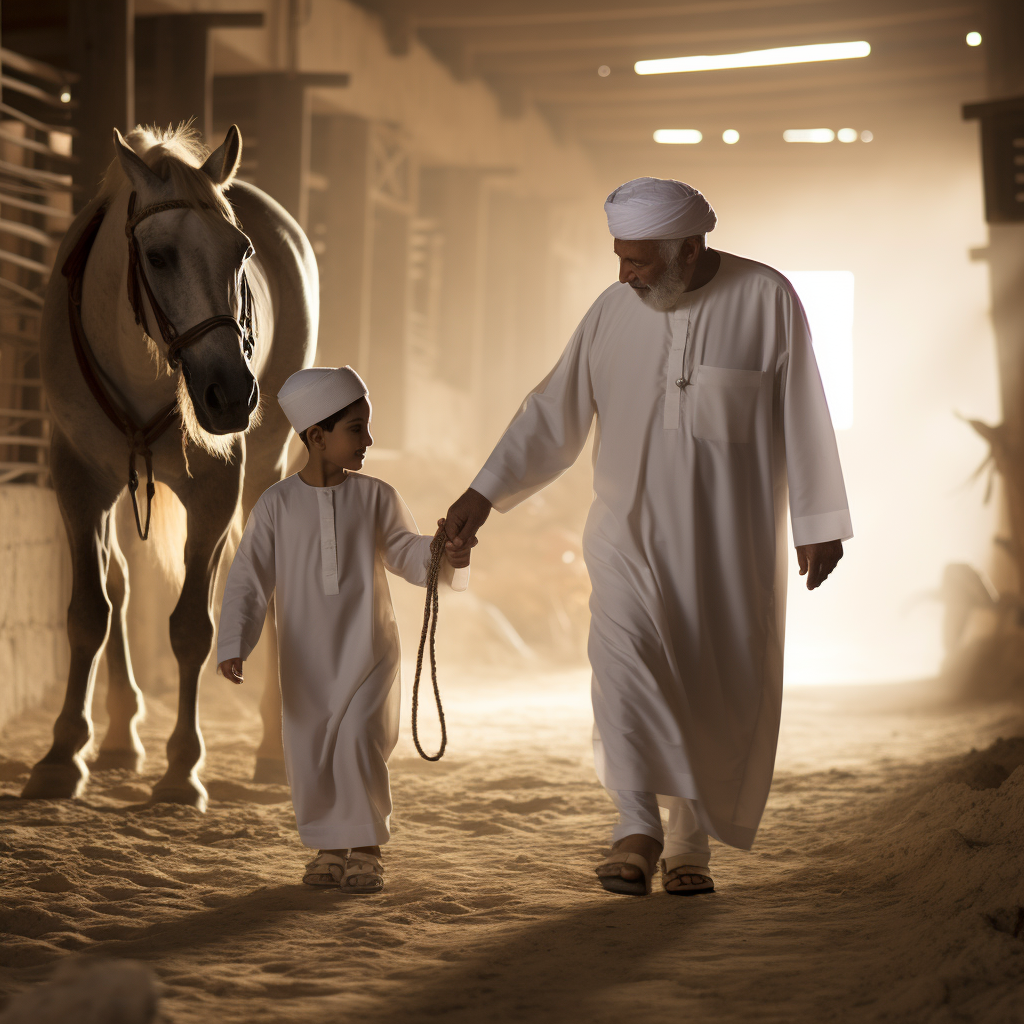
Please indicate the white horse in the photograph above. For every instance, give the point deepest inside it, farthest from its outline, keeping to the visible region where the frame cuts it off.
(177, 320)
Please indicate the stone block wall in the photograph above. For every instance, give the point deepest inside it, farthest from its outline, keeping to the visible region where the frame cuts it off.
(35, 586)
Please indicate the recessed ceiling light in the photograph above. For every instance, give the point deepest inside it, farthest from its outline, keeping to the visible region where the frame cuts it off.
(808, 135)
(754, 58)
(65, 95)
(604, 71)
(866, 136)
(974, 39)
(678, 136)
(730, 136)
(847, 135)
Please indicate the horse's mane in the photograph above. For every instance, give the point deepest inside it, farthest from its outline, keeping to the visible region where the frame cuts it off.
(177, 155)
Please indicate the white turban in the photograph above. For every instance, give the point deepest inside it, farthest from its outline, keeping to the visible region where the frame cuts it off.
(313, 394)
(657, 208)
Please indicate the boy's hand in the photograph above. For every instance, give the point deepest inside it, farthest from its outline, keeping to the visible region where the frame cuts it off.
(818, 560)
(231, 669)
(458, 557)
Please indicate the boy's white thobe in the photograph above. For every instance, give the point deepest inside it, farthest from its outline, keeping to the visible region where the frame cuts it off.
(324, 551)
(705, 415)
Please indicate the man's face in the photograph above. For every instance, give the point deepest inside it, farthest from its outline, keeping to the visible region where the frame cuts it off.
(656, 283)
(345, 446)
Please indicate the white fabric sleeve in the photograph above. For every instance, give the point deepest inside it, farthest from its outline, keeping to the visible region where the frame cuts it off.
(817, 493)
(548, 432)
(250, 585)
(405, 551)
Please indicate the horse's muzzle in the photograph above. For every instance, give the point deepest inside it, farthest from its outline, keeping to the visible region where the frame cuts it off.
(223, 409)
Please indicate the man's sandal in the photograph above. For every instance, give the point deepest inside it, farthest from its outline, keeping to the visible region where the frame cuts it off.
(691, 879)
(625, 886)
(325, 869)
(364, 874)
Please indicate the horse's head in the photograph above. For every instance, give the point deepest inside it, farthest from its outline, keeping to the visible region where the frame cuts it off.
(193, 258)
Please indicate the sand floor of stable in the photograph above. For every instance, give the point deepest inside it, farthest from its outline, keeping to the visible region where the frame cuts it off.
(877, 890)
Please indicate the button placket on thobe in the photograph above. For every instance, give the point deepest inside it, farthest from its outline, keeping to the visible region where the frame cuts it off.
(675, 377)
(328, 539)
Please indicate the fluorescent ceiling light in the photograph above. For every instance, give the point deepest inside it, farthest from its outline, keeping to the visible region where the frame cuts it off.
(678, 136)
(808, 135)
(754, 58)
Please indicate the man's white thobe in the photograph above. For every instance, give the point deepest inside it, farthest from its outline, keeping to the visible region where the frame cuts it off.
(704, 415)
(324, 551)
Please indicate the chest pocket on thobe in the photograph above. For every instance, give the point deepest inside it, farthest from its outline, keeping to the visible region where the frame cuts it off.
(725, 404)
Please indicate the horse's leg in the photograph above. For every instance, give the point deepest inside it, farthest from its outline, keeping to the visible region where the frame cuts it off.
(270, 755)
(86, 510)
(121, 747)
(265, 461)
(210, 499)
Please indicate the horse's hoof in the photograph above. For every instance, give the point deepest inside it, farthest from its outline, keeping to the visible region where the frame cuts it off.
(132, 760)
(270, 769)
(191, 793)
(51, 781)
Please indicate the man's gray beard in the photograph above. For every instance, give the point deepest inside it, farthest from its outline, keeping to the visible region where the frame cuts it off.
(666, 291)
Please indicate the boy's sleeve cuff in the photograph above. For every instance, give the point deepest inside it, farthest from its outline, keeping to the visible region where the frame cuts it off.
(821, 528)
(228, 649)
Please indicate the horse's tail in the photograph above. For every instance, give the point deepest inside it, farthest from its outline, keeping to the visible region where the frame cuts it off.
(167, 533)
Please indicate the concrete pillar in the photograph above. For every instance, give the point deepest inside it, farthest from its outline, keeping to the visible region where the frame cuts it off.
(341, 230)
(455, 198)
(103, 54)
(273, 111)
(174, 69)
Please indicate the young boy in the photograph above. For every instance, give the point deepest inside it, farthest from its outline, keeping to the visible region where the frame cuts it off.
(321, 540)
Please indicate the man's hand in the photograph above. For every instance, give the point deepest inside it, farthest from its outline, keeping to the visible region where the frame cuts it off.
(458, 558)
(231, 669)
(818, 560)
(464, 518)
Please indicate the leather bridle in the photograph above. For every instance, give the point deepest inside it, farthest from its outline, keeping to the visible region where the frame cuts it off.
(176, 342)
(141, 437)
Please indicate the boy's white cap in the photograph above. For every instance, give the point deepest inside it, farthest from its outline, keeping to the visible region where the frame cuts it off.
(313, 394)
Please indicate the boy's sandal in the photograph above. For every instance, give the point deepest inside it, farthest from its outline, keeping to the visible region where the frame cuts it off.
(690, 879)
(364, 874)
(615, 883)
(325, 869)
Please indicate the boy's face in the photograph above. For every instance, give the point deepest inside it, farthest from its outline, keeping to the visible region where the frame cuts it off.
(345, 446)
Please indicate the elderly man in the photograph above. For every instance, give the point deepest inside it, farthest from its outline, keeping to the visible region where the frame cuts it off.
(709, 409)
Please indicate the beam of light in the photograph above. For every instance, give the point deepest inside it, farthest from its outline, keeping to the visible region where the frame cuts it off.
(827, 298)
(847, 135)
(730, 136)
(974, 39)
(754, 58)
(678, 136)
(808, 135)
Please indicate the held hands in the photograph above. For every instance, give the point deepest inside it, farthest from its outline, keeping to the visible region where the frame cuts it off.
(231, 669)
(818, 560)
(464, 518)
(458, 557)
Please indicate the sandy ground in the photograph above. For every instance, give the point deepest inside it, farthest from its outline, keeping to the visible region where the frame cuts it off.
(879, 890)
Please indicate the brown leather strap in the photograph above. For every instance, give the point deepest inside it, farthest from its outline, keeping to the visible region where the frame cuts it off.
(140, 439)
(137, 281)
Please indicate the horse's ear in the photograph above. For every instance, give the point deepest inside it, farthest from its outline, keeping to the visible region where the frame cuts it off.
(134, 167)
(223, 161)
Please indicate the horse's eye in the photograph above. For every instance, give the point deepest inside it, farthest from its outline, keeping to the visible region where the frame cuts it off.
(156, 260)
